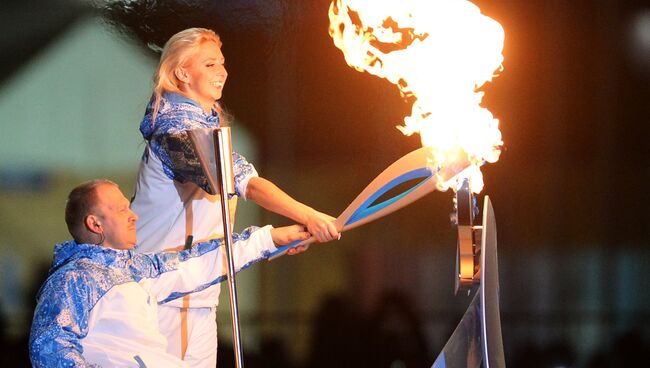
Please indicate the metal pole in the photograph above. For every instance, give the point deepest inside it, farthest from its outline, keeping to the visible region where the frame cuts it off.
(223, 151)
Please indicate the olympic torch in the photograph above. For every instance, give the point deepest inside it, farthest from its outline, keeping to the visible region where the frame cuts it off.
(414, 168)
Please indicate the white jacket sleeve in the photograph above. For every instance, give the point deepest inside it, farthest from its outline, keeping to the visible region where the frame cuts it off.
(205, 268)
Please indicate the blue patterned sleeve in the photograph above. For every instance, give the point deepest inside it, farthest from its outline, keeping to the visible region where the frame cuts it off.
(60, 322)
(152, 265)
(249, 247)
(243, 171)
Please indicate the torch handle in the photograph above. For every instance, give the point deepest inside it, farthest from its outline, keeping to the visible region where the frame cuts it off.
(285, 248)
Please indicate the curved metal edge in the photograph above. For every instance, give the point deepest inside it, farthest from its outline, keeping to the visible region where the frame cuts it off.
(492, 340)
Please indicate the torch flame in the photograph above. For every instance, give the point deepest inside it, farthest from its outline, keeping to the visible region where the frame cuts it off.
(438, 53)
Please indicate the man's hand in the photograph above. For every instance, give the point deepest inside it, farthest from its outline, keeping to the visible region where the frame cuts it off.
(288, 234)
(321, 227)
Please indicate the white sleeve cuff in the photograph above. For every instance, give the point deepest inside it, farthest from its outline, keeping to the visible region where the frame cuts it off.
(266, 239)
(243, 184)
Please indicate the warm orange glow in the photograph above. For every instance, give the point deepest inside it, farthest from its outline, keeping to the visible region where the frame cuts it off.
(438, 53)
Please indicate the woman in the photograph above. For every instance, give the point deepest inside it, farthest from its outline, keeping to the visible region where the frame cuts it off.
(173, 200)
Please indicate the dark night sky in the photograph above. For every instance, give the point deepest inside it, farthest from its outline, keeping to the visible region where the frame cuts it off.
(572, 107)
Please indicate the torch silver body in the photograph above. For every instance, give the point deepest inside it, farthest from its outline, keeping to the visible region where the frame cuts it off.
(223, 152)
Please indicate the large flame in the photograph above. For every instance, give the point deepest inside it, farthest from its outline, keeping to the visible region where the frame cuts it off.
(439, 53)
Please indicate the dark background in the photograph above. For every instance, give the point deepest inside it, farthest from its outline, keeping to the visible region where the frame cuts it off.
(568, 191)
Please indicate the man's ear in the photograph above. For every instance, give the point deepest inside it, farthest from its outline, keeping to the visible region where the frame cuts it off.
(181, 74)
(93, 224)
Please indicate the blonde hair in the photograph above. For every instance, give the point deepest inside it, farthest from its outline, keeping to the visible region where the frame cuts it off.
(178, 51)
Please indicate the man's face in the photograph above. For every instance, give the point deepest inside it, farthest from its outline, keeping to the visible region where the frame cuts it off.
(117, 219)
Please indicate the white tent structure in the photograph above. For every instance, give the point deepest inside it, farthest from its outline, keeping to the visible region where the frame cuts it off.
(77, 104)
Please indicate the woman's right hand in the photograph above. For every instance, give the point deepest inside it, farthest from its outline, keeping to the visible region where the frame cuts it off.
(321, 226)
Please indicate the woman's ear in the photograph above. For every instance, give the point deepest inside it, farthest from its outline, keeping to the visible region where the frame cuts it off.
(181, 74)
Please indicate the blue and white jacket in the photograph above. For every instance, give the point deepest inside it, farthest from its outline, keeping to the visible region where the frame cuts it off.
(98, 306)
(172, 196)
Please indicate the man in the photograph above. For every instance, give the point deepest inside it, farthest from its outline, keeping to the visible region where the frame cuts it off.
(99, 303)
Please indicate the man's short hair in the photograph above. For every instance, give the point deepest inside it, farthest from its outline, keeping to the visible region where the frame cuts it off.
(81, 201)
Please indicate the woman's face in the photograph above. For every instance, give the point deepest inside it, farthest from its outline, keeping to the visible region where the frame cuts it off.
(205, 76)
